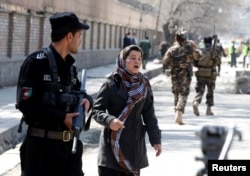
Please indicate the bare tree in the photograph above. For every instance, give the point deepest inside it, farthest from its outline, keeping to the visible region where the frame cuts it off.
(199, 17)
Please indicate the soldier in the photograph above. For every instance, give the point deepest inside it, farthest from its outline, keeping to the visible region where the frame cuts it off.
(206, 76)
(180, 58)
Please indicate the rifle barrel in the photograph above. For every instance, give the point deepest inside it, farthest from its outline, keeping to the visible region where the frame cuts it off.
(79, 121)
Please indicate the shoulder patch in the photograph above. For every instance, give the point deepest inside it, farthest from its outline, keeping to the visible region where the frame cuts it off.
(47, 77)
(40, 55)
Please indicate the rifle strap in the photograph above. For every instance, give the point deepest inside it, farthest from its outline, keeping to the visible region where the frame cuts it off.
(87, 124)
(52, 63)
(53, 66)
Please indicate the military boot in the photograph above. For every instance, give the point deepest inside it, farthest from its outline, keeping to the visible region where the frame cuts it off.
(209, 111)
(195, 108)
(178, 118)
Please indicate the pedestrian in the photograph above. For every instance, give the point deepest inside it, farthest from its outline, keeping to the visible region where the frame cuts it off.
(233, 54)
(248, 60)
(206, 76)
(125, 107)
(245, 52)
(221, 53)
(134, 39)
(47, 80)
(201, 44)
(163, 47)
(145, 46)
(127, 40)
(180, 58)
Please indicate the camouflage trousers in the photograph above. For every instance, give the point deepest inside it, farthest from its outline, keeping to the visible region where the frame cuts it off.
(181, 90)
(201, 84)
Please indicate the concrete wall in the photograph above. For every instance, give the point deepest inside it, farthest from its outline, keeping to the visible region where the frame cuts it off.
(25, 27)
(23, 33)
(9, 68)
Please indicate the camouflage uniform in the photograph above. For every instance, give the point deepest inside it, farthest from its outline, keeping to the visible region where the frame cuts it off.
(180, 58)
(206, 76)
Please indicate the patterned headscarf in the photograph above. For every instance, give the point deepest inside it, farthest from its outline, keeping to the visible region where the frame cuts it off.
(137, 87)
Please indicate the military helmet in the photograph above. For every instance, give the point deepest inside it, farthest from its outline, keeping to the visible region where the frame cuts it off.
(181, 35)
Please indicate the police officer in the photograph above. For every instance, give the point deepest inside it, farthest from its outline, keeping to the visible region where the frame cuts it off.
(206, 76)
(180, 58)
(42, 97)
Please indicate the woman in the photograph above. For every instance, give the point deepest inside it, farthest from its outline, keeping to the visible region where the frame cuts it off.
(124, 106)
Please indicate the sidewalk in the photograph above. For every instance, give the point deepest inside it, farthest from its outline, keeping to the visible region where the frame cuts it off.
(10, 117)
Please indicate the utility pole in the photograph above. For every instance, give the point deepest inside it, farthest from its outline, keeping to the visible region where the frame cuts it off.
(157, 21)
(156, 29)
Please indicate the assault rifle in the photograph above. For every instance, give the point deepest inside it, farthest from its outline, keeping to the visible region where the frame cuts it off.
(79, 121)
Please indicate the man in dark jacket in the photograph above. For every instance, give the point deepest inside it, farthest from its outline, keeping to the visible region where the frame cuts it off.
(145, 46)
(48, 105)
(127, 40)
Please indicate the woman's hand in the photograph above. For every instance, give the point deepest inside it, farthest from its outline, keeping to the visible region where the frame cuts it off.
(116, 124)
(158, 149)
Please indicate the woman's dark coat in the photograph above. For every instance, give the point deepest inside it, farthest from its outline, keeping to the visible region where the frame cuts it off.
(109, 104)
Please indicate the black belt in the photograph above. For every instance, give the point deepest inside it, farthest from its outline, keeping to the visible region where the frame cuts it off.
(65, 136)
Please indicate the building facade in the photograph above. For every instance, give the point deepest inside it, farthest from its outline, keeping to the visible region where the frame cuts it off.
(24, 28)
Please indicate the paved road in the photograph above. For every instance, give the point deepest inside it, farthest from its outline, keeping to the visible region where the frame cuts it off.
(180, 144)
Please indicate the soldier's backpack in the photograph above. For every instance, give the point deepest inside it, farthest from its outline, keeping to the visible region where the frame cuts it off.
(206, 60)
(206, 64)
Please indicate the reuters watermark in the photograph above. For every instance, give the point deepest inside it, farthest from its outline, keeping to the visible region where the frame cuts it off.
(229, 167)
